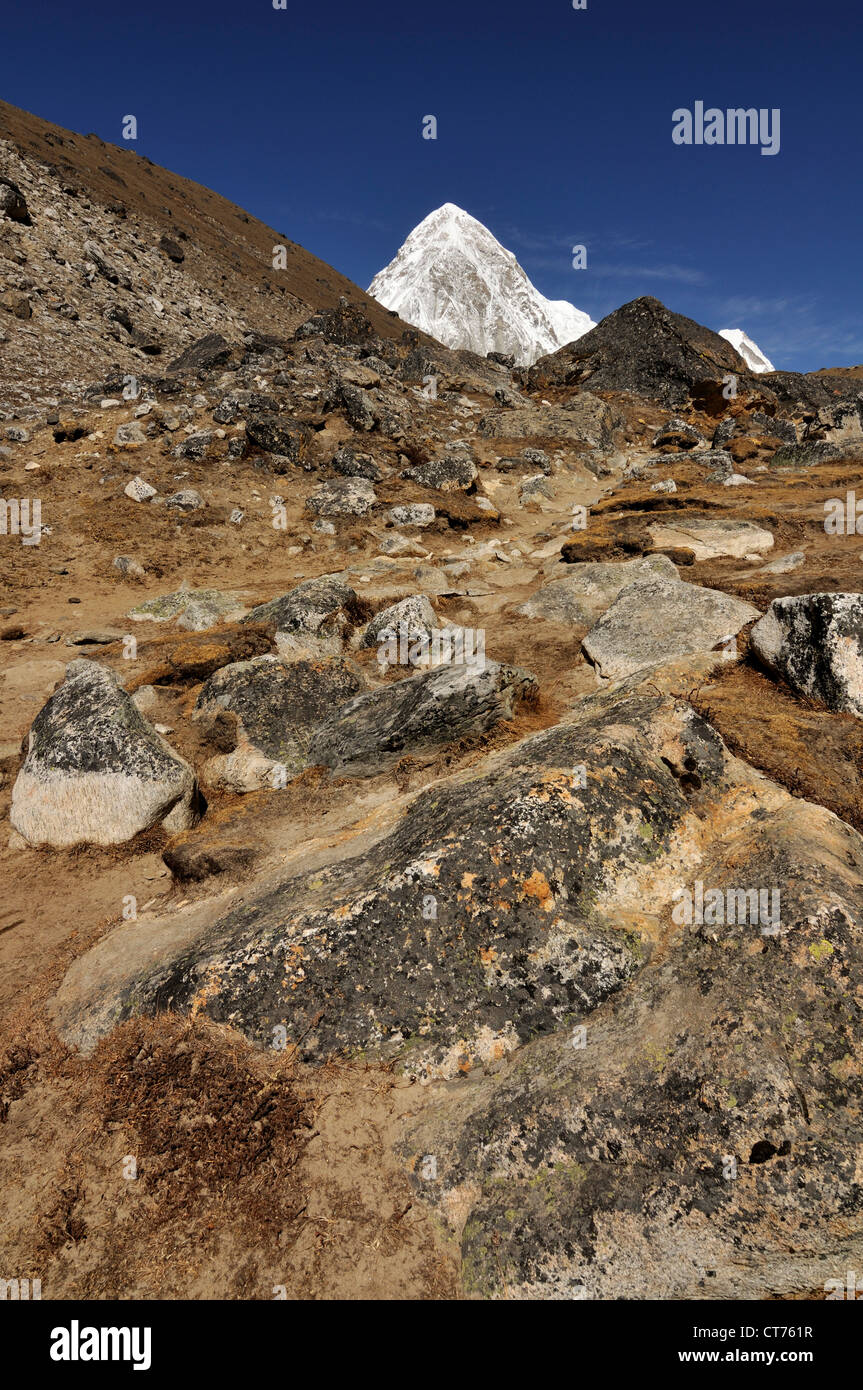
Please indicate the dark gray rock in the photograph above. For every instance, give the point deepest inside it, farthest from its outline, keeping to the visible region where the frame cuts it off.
(450, 473)
(351, 465)
(202, 355)
(425, 711)
(815, 643)
(96, 771)
(280, 435)
(358, 406)
(318, 614)
(195, 446)
(276, 706)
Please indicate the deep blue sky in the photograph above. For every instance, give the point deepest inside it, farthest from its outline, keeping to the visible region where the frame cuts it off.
(554, 128)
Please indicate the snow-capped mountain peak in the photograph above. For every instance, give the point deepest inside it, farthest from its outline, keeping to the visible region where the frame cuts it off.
(453, 279)
(749, 351)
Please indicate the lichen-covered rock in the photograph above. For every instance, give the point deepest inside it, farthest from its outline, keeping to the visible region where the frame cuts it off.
(425, 711)
(276, 705)
(451, 473)
(412, 514)
(279, 435)
(677, 433)
(96, 772)
(591, 587)
(188, 499)
(701, 1137)
(195, 610)
(658, 620)
(815, 643)
(318, 616)
(413, 614)
(343, 497)
(811, 451)
(139, 490)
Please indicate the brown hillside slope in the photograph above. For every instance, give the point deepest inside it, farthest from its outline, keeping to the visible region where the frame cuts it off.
(79, 188)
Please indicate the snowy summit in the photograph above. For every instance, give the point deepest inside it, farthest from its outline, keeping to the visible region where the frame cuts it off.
(453, 279)
(749, 351)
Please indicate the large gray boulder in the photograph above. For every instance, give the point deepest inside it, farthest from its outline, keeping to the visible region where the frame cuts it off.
(272, 707)
(660, 620)
(318, 616)
(342, 497)
(425, 711)
(96, 771)
(580, 596)
(413, 615)
(450, 473)
(815, 643)
(710, 537)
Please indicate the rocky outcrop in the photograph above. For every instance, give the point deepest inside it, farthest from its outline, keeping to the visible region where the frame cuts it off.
(646, 349)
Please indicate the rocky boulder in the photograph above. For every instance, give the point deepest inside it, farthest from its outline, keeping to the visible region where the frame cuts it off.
(273, 707)
(342, 497)
(660, 620)
(202, 355)
(450, 473)
(316, 617)
(584, 593)
(425, 711)
(412, 615)
(96, 772)
(815, 643)
(279, 435)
